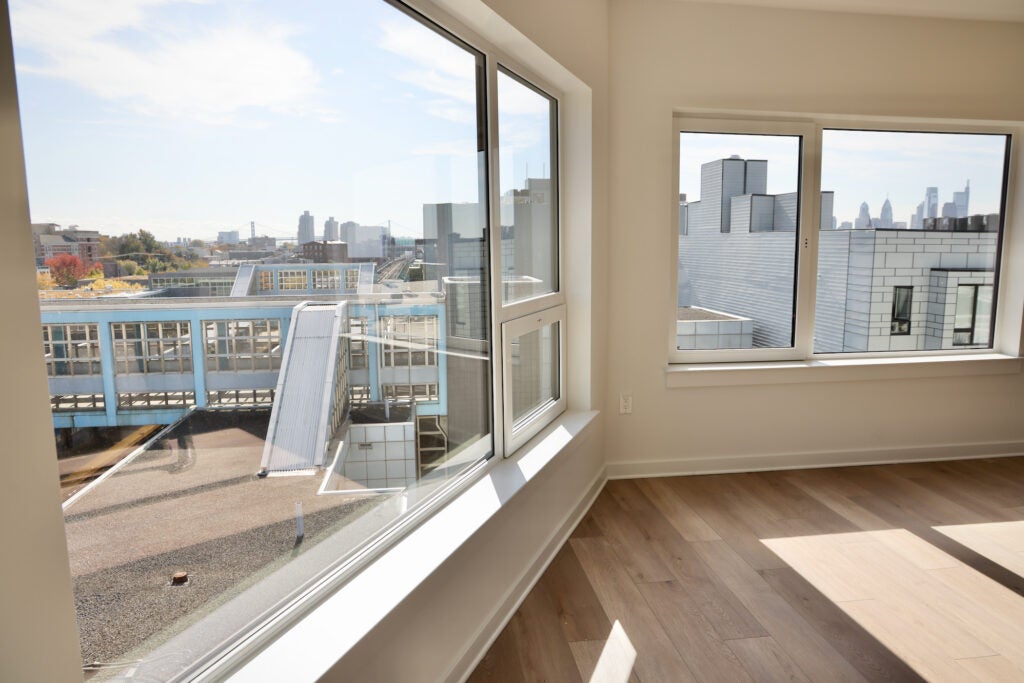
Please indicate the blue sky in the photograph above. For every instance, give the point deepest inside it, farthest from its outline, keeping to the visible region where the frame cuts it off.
(866, 166)
(187, 117)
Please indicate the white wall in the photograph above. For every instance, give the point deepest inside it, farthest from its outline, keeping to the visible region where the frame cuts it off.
(38, 634)
(668, 55)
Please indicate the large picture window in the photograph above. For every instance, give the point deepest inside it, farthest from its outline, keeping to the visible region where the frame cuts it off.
(886, 241)
(328, 405)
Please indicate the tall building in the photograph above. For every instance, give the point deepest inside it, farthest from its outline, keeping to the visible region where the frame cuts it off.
(863, 218)
(307, 231)
(885, 220)
(917, 220)
(931, 201)
(331, 233)
(228, 237)
(962, 200)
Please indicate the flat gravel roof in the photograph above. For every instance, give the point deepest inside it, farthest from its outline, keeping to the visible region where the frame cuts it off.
(191, 502)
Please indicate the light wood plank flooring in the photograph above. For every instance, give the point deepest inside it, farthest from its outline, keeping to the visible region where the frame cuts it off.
(885, 573)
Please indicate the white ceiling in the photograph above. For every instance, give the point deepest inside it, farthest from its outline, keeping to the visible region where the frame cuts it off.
(993, 10)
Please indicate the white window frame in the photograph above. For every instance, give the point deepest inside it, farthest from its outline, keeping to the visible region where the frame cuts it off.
(508, 319)
(518, 433)
(1006, 337)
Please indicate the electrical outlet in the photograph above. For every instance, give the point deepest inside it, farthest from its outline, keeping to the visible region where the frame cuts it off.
(625, 404)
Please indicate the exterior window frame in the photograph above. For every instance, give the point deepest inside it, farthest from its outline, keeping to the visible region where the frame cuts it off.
(900, 326)
(813, 126)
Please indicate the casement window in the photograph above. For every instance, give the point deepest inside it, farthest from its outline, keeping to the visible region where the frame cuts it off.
(799, 240)
(242, 345)
(152, 347)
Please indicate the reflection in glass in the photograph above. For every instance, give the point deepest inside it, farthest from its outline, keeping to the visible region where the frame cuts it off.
(529, 192)
(535, 371)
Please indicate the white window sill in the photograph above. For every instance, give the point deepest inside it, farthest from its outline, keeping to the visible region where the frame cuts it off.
(334, 623)
(838, 370)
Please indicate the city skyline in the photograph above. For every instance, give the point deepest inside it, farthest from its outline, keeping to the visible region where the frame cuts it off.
(188, 119)
(866, 166)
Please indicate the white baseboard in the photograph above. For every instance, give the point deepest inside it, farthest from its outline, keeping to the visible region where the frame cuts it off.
(515, 596)
(789, 461)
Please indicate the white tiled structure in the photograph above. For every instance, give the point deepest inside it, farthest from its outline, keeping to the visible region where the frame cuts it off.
(736, 255)
(720, 331)
(380, 456)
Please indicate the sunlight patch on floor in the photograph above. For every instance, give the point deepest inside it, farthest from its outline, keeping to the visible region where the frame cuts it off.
(944, 619)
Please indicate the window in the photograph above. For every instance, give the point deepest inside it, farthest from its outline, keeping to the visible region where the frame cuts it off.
(326, 279)
(408, 340)
(357, 345)
(352, 279)
(265, 281)
(71, 350)
(155, 399)
(902, 300)
(973, 313)
(291, 279)
(878, 241)
(242, 345)
(450, 197)
(157, 347)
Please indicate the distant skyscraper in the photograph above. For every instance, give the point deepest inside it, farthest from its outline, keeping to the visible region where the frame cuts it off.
(331, 233)
(949, 210)
(931, 202)
(863, 218)
(962, 200)
(917, 220)
(307, 229)
(885, 220)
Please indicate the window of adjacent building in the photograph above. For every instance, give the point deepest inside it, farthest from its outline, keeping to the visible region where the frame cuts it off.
(242, 345)
(351, 279)
(973, 315)
(357, 344)
(359, 405)
(152, 347)
(408, 340)
(291, 280)
(265, 281)
(326, 279)
(71, 350)
(902, 301)
(877, 241)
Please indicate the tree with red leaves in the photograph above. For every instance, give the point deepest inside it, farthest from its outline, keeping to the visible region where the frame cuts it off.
(67, 269)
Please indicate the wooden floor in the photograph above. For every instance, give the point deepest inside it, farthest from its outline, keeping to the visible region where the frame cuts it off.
(894, 572)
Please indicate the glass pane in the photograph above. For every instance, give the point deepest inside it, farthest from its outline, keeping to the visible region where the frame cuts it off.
(983, 316)
(319, 170)
(529, 192)
(905, 209)
(535, 371)
(964, 317)
(738, 219)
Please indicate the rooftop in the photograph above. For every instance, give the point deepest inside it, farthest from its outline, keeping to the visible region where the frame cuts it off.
(189, 501)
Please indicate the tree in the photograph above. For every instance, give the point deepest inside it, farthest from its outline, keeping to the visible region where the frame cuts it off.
(45, 281)
(66, 269)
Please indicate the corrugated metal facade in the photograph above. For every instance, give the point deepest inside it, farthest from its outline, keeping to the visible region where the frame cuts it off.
(297, 438)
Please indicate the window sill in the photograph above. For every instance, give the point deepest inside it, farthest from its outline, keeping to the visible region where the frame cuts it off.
(838, 370)
(318, 639)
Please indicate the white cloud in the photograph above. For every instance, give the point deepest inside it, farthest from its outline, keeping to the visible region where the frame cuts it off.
(121, 51)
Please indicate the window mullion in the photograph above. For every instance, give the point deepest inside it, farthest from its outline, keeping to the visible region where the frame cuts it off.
(490, 104)
(807, 241)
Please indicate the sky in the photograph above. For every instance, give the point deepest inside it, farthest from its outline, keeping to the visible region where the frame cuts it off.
(190, 117)
(866, 166)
